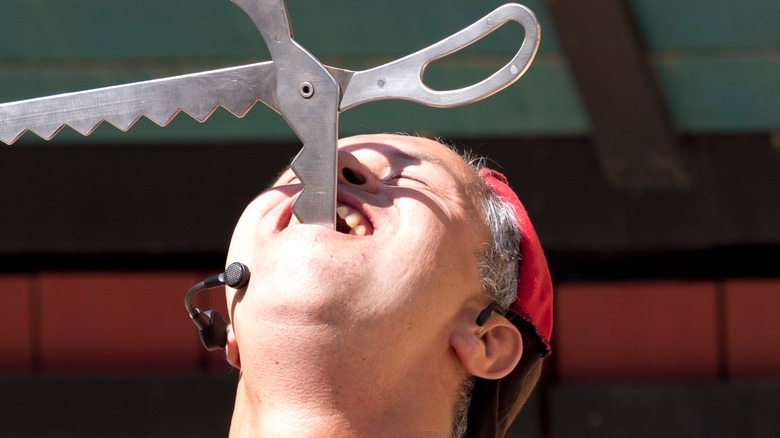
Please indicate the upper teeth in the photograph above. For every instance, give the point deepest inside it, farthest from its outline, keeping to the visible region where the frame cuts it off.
(352, 220)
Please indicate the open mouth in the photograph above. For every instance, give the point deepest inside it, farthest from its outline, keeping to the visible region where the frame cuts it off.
(352, 221)
(349, 220)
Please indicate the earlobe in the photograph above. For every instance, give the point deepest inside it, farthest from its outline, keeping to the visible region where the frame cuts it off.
(233, 357)
(491, 351)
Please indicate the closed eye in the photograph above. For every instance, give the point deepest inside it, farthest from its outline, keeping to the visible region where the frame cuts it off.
(395, 178)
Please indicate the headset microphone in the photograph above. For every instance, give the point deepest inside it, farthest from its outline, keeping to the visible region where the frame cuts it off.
(211, 325)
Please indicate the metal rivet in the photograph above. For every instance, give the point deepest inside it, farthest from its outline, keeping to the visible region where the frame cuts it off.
(278, 38)
(306, 90)
(513, 69)
(490, 21)
(381, 83)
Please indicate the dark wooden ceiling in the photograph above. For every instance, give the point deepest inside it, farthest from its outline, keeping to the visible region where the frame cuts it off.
(642, 125)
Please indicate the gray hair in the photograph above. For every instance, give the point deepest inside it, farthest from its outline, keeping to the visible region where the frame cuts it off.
(461, 418)
(498, 262)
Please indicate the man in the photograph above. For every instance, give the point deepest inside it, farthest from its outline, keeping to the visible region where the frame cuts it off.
(370, 330)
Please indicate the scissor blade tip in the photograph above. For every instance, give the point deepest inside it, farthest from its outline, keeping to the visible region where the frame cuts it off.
(9, 139)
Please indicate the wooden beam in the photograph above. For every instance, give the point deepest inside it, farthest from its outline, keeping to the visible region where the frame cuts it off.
(165, 199)
(635, 139)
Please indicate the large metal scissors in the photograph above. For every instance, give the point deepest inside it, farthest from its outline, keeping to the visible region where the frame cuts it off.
(308, 94)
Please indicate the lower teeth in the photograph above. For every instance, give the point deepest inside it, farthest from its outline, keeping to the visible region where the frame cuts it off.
(359, 230)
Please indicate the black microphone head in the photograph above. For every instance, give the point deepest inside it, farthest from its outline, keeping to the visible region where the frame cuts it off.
(236, 275)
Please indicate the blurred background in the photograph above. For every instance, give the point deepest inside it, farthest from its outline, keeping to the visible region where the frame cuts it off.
(644, 141)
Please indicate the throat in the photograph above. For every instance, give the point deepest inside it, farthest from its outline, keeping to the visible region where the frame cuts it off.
(314, 416)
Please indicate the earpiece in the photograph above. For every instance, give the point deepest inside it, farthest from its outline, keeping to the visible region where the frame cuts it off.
(211, 326)
(484, 315)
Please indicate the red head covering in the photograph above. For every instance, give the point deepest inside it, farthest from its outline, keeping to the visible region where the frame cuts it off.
(534, 288)
(495, 403)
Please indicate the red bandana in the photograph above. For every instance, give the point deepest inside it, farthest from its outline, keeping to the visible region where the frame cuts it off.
(534, 288)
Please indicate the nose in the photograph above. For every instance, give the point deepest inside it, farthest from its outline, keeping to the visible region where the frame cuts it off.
(352, 171)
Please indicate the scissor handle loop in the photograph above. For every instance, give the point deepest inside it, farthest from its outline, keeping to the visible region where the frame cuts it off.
(402, 79)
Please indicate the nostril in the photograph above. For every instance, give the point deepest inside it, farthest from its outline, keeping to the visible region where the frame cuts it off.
(352, 177)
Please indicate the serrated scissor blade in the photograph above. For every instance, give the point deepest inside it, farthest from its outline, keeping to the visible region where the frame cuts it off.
(236, 89)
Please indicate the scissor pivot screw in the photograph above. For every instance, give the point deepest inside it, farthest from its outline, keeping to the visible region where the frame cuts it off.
(306, 90)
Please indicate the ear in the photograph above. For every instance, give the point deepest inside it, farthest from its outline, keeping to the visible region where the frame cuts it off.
(491, 351)
(231, 348)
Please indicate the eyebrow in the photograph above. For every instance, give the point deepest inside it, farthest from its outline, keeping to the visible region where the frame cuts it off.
(414, 155)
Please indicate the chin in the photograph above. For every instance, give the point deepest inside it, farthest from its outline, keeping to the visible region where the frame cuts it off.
(307, 289)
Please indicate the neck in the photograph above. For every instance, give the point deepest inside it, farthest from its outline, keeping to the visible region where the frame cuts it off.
(312, 417)
(338, 396)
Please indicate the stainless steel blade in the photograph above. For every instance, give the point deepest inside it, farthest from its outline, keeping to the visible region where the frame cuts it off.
(308, 99)
(236, 89)
(317, 162)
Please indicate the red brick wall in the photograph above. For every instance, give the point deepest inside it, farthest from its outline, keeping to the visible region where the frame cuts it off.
(753, 328)
(16, 324)
(88, 322)
(670, 331)
(648, 331)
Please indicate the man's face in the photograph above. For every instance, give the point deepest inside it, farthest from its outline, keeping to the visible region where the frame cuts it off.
(403, 276)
